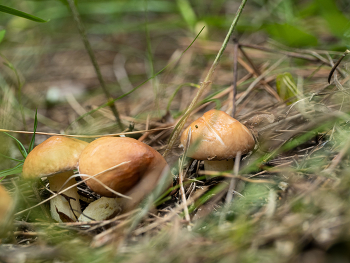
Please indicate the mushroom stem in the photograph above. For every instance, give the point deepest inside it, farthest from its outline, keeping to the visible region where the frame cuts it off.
(60, 202)
(218, 166)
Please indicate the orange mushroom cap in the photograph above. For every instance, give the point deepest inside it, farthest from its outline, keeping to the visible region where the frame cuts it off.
(217, 136)
(143, 163)
(54, 155)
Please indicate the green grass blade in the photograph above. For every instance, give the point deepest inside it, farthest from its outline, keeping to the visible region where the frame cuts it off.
(15, 12)
(32, 141)
(15, 170)
(12, 159)
(19, 146)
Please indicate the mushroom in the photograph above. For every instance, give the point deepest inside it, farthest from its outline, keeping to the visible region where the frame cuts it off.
(56, 158)
(123, 164)
(216, 138)
(5, 207)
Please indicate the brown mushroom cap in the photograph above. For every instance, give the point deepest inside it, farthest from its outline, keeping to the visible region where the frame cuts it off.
(108, 152)
(217, 136)
(56, 154)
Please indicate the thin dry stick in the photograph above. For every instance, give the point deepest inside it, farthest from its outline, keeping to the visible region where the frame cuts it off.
(184, 200)
(314, 56)
(235, 75)
(231, 188)
(287, 53)
(205, 83)
(181, 179)
(87, 136)
(214, 173)
(336, 65)
(145, 135)
(88, 48)
(233, 181)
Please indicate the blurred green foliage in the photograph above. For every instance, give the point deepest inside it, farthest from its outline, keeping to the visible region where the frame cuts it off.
(294, 23)
(286, 87)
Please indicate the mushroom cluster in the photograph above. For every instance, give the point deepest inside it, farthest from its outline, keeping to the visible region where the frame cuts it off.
(216, 138)
(109, 166)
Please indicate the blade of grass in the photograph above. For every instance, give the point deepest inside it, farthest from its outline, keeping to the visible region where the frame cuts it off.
(15, 170)
(8, 157)
(15, 12)
(20, 146)
(32, 141)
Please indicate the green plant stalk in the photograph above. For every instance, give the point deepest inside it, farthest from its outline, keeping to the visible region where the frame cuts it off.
(207, 81)
(15, 12)
(88, 48)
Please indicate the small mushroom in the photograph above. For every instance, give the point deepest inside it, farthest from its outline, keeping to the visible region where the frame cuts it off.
(216, 138)
(56, 158)
(139, 170)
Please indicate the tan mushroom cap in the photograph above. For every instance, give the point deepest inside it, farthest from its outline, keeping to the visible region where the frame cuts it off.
(5, 204)
(56, 154)
(108, 152)
(217, 136)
